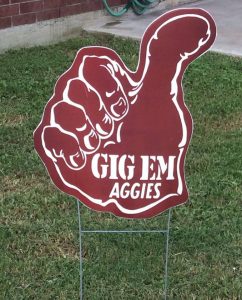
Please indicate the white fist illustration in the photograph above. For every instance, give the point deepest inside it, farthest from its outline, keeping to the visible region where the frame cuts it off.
(90, 112)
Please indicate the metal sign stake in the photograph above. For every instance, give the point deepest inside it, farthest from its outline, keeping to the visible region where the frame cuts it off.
(165, 231)
(80, 246)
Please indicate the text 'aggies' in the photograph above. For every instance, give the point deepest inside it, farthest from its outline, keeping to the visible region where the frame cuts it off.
(126, 167)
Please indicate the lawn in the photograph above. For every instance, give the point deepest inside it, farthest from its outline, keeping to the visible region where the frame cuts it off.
(39, 248)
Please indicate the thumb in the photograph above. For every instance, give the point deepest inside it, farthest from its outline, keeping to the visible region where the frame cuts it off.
(179, 36)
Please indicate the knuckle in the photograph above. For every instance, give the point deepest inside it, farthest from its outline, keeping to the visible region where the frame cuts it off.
(73, 118)
(105, 82)
(61, 146)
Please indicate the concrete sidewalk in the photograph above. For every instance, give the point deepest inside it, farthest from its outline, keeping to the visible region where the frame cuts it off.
(227, 15)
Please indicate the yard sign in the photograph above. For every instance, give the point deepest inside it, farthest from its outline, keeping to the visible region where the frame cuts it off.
(116, 139)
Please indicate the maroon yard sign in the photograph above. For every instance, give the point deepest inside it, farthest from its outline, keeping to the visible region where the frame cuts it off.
(117, 139)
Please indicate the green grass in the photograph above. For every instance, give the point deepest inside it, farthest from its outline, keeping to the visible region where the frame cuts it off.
(39, 254)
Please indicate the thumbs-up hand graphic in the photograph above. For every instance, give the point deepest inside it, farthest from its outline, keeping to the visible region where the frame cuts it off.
(117, 139)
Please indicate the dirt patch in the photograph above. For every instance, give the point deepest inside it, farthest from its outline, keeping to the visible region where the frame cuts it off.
(60, 247)
(12, 121)
(18, 183)
(232, 124)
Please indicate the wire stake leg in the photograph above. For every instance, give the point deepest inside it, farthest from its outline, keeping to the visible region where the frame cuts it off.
(80, 245)
(167, 254)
